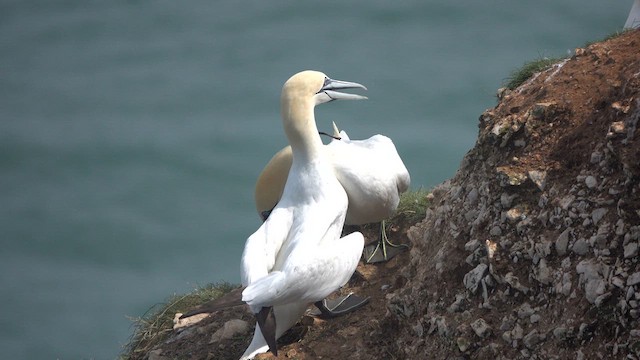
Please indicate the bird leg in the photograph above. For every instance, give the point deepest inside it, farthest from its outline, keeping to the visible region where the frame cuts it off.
(374, 256)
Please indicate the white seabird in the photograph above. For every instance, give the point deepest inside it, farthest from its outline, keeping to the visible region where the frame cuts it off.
(297, 256)
(371, 172)
(633, 20)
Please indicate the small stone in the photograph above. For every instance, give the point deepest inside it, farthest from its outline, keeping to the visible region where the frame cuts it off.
(472, 245)
(472, 278)
(514, 282)
(567, 201)
(495, 231)
(591, 182)
(481, 328)
(517, 333)
(562, 241)
(543, 273)
(630, 250)
(534, 318)
(600, 299)
(539, 178)
(532, 339)
(463, 344)
(513, 214)
(617, 282)
(291, 353)
(596, 157)
(230, 329)
(560, 333)
(418, 330)
(525, 310)
(598, 214)
(633, 279)
(506, 336)
(156, 354)
(617, 127)
(443, 328)
(580, 247)
(191, 320)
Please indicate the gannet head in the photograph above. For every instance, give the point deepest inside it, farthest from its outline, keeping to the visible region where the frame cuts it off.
(319, 87)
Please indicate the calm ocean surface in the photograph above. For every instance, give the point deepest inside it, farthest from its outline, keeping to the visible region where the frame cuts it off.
(131, 132)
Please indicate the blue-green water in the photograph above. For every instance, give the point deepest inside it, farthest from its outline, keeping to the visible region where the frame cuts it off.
(131, 132)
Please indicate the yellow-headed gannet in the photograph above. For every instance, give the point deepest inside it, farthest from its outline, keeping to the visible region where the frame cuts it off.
(297, 256)
(371, 172)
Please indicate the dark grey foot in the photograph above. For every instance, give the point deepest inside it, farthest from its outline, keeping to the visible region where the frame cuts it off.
(327, 309)
(375, 253)
(384, 250)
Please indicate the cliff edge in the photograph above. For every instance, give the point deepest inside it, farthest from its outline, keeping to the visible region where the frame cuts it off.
(529, 251)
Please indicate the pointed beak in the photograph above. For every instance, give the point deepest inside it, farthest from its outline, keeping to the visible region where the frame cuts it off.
(328, 91)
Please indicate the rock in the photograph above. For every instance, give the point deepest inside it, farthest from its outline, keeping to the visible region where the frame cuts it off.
(580, 247)
(517, 333)
(594, 283)
(510, 177)
(600, 299)
(418, 330)
(481, 328)
(566, 201)
(457, 305)
(230, 329)
(539, 178)
(598, 214)
(525, 310)
(156, 354)
(463, 344)
(472, 245)
(543, 273)
(630, 250)
(181, 323)
(591, 182)
(514, 282)
(534, 318)
(532, 339)
(633, 279)
(560, 333)
(443, 328)
(495, 231)
(562, 241)
(513, 214)
(472, 278)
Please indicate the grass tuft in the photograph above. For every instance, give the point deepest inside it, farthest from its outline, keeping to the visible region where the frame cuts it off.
(412, 207)
(518, 77)
(153, 327)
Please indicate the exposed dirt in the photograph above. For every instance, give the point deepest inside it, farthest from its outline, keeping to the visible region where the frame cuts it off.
(358, 334)
(546, 209)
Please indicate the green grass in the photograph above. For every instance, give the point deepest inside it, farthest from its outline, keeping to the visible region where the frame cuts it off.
(153, 327)
(412, 207)
(519, 76)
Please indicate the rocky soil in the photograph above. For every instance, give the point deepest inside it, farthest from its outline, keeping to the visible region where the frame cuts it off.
(529, 251)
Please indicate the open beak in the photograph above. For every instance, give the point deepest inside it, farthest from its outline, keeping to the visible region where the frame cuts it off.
(328, 91)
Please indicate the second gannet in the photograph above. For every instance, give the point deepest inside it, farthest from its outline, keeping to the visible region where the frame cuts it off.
(297, 256)
(371, 172)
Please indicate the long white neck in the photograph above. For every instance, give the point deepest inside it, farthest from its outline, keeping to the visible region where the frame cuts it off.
(300, 127)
